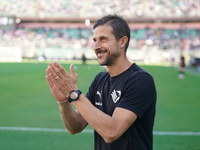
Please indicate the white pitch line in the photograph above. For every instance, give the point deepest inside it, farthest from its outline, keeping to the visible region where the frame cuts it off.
(92, 131)
(176, 133)
(40, 129)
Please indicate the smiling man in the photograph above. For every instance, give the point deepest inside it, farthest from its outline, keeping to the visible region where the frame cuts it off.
(120, 104)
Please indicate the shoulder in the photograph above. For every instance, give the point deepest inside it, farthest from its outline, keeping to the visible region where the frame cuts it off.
(139, 73)
(139, 78)
(101, 75)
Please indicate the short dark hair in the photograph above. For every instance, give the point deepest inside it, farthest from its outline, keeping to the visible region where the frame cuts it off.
(119, 25)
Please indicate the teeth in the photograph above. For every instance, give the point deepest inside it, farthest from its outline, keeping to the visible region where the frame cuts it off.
(101, 51)
(100, 54)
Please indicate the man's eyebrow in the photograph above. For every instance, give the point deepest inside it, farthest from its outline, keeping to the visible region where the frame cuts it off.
(101, 37)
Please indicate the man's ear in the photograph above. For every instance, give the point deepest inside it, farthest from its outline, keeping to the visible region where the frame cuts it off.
(123, 41)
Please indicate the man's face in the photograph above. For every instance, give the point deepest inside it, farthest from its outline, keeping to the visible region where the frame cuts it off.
(105, 45)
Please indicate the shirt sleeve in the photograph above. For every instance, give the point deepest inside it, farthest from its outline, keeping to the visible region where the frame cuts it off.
(92, 89)
(138, 94)
(90, 93)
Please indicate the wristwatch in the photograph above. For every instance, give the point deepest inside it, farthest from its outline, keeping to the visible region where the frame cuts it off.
(74, 95)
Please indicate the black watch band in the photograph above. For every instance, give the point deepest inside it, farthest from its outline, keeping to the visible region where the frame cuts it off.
(74, 95)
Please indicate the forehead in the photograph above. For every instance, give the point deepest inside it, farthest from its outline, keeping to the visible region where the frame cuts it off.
(103, 30)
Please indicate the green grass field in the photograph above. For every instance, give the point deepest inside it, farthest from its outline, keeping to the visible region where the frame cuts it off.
(26, 101)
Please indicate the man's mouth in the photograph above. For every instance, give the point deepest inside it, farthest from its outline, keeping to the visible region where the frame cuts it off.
(99, 53)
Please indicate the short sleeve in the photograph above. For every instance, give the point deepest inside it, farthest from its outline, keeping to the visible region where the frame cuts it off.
(90, 94)
(92, 89)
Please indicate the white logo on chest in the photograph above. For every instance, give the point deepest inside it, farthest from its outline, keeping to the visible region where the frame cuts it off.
(116, 95)
(99, 93)
(98, 103)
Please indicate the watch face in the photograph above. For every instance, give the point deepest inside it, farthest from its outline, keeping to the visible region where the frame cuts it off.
(73, 95)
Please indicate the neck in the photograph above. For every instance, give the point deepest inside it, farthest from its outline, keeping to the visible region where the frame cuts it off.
(118, 67)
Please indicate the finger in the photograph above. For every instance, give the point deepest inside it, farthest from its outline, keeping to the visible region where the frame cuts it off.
(72, 71)
(49, 81)
(54, 71)
(53, 79)
(61, 69)
(47, 71)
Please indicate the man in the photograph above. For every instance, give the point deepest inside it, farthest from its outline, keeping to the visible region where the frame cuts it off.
(120, 103)
(84, 59)
(181, 68)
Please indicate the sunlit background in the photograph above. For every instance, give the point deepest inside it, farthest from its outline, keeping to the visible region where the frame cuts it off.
(36, 32)
(161, 30)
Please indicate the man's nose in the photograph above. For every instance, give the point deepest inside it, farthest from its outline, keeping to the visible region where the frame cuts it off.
(97, 45)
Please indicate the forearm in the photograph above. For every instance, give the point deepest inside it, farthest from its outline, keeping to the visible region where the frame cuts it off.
(72, 120)
(109, 127)
(104, 124)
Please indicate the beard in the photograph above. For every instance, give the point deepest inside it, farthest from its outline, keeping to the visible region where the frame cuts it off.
(110, 58)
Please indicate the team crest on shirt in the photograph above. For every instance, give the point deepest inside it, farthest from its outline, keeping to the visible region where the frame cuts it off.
(116, 95)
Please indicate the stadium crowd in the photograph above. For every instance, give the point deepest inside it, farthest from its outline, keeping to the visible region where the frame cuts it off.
(91, 8)
(183, 38)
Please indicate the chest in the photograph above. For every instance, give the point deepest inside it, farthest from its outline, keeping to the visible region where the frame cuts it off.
(108, 95)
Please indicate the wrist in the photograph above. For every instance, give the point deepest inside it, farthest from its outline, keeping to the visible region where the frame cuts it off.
(63, 101)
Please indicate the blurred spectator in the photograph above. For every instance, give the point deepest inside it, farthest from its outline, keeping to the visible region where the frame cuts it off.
(185, 39)
(181, 69)
(84, 59)
(85, 8)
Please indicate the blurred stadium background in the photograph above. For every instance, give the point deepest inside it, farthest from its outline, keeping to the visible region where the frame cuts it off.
(161, 30)
(39, 31)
